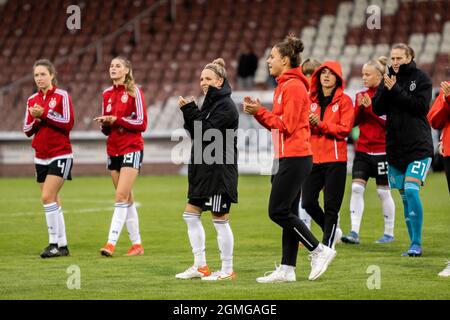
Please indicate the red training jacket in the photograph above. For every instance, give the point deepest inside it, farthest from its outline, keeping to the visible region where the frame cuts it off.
(289, 116)
(51, 134)
(329, 138)
(125, 134)
(439, 117)
(372, 128)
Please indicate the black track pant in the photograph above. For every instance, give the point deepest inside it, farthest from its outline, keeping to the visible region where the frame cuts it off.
(283, 206)
(447, 171)
(331, 178)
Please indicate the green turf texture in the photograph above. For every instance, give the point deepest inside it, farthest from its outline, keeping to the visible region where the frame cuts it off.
(88, 204)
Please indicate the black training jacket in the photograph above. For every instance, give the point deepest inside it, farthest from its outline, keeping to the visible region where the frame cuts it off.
(217, 173)
(406, 105)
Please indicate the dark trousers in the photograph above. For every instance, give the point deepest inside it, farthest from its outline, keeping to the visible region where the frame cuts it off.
(447, 171)
(331, 178)
(283, 206)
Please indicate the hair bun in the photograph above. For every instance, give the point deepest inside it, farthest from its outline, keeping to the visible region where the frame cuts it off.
(295, 42)
(383, 60)
(220, 62)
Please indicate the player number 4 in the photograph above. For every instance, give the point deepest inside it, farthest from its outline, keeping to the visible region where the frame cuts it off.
(61, 164)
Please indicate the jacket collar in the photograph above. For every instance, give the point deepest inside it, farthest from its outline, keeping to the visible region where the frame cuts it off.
(214, 93)
(49, 92)
(294, 73)
(406, 68)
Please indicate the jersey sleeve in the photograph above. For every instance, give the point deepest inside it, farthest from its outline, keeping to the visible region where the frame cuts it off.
(137, 121)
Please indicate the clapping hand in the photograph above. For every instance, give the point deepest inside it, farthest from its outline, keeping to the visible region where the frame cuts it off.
(445, 87)
(105, 121)
(389, 82)
(314, 119)
(184, 101)
(36, 111)
(251, 106)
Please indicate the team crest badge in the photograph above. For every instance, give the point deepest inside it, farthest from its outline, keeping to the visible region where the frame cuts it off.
(412, 86)
(108, 108)
(52, 103)
(313, 107)
(335, 107)
(124, 98)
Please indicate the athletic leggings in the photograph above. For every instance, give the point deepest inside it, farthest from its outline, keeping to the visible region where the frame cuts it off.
(283, 206)
(447, 171)
(331, 178)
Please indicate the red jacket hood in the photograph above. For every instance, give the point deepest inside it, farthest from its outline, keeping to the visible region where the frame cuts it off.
(315, 78)
(294, 73)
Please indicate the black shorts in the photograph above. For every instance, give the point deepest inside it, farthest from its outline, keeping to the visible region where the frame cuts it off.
(60, 167)
(130, 160)
(219, 203)
(366, 166)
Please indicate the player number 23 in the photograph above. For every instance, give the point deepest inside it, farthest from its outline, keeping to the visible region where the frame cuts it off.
(382, 168)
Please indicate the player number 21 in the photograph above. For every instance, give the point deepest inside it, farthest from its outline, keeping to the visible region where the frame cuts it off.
(416, 167)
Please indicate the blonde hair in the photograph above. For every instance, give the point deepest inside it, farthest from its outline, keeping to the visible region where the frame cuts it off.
(218, 67)
(50, 67)
(129, 79)
(379, 64)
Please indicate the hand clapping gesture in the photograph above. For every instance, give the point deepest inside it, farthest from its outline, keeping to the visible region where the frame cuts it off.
(364, 100)
(389, 82)
(184, 101)
(105, 121)
(445, 87)
(251, 106)
(314, 119)
(36, 111)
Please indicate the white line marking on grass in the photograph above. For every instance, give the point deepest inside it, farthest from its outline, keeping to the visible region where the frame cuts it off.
(86, 210)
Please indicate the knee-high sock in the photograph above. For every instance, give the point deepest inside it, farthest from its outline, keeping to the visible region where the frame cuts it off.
(118, 220)
(388, 205)
(225, 240)
(62, 238)
(406, 214)
(133, 224)
(357, 205)
(303, 215)
(196, 235)
(415, 211)
(51, 216)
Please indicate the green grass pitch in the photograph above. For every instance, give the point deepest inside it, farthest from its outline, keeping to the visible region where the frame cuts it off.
(88, 206)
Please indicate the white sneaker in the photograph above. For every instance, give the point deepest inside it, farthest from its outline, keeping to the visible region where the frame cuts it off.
(446, 271)
(337, 237)
(194, 272)
(320, 261)
(277, 275)
(219, 275)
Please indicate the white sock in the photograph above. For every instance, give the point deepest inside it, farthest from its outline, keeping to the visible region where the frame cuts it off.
(51, 215)
(133, 224)
(225, 241)
(196, 235)
(118, 220)
(357, 205)
(62, 239)
(303, 215)
(286, 268)
(388, 205)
